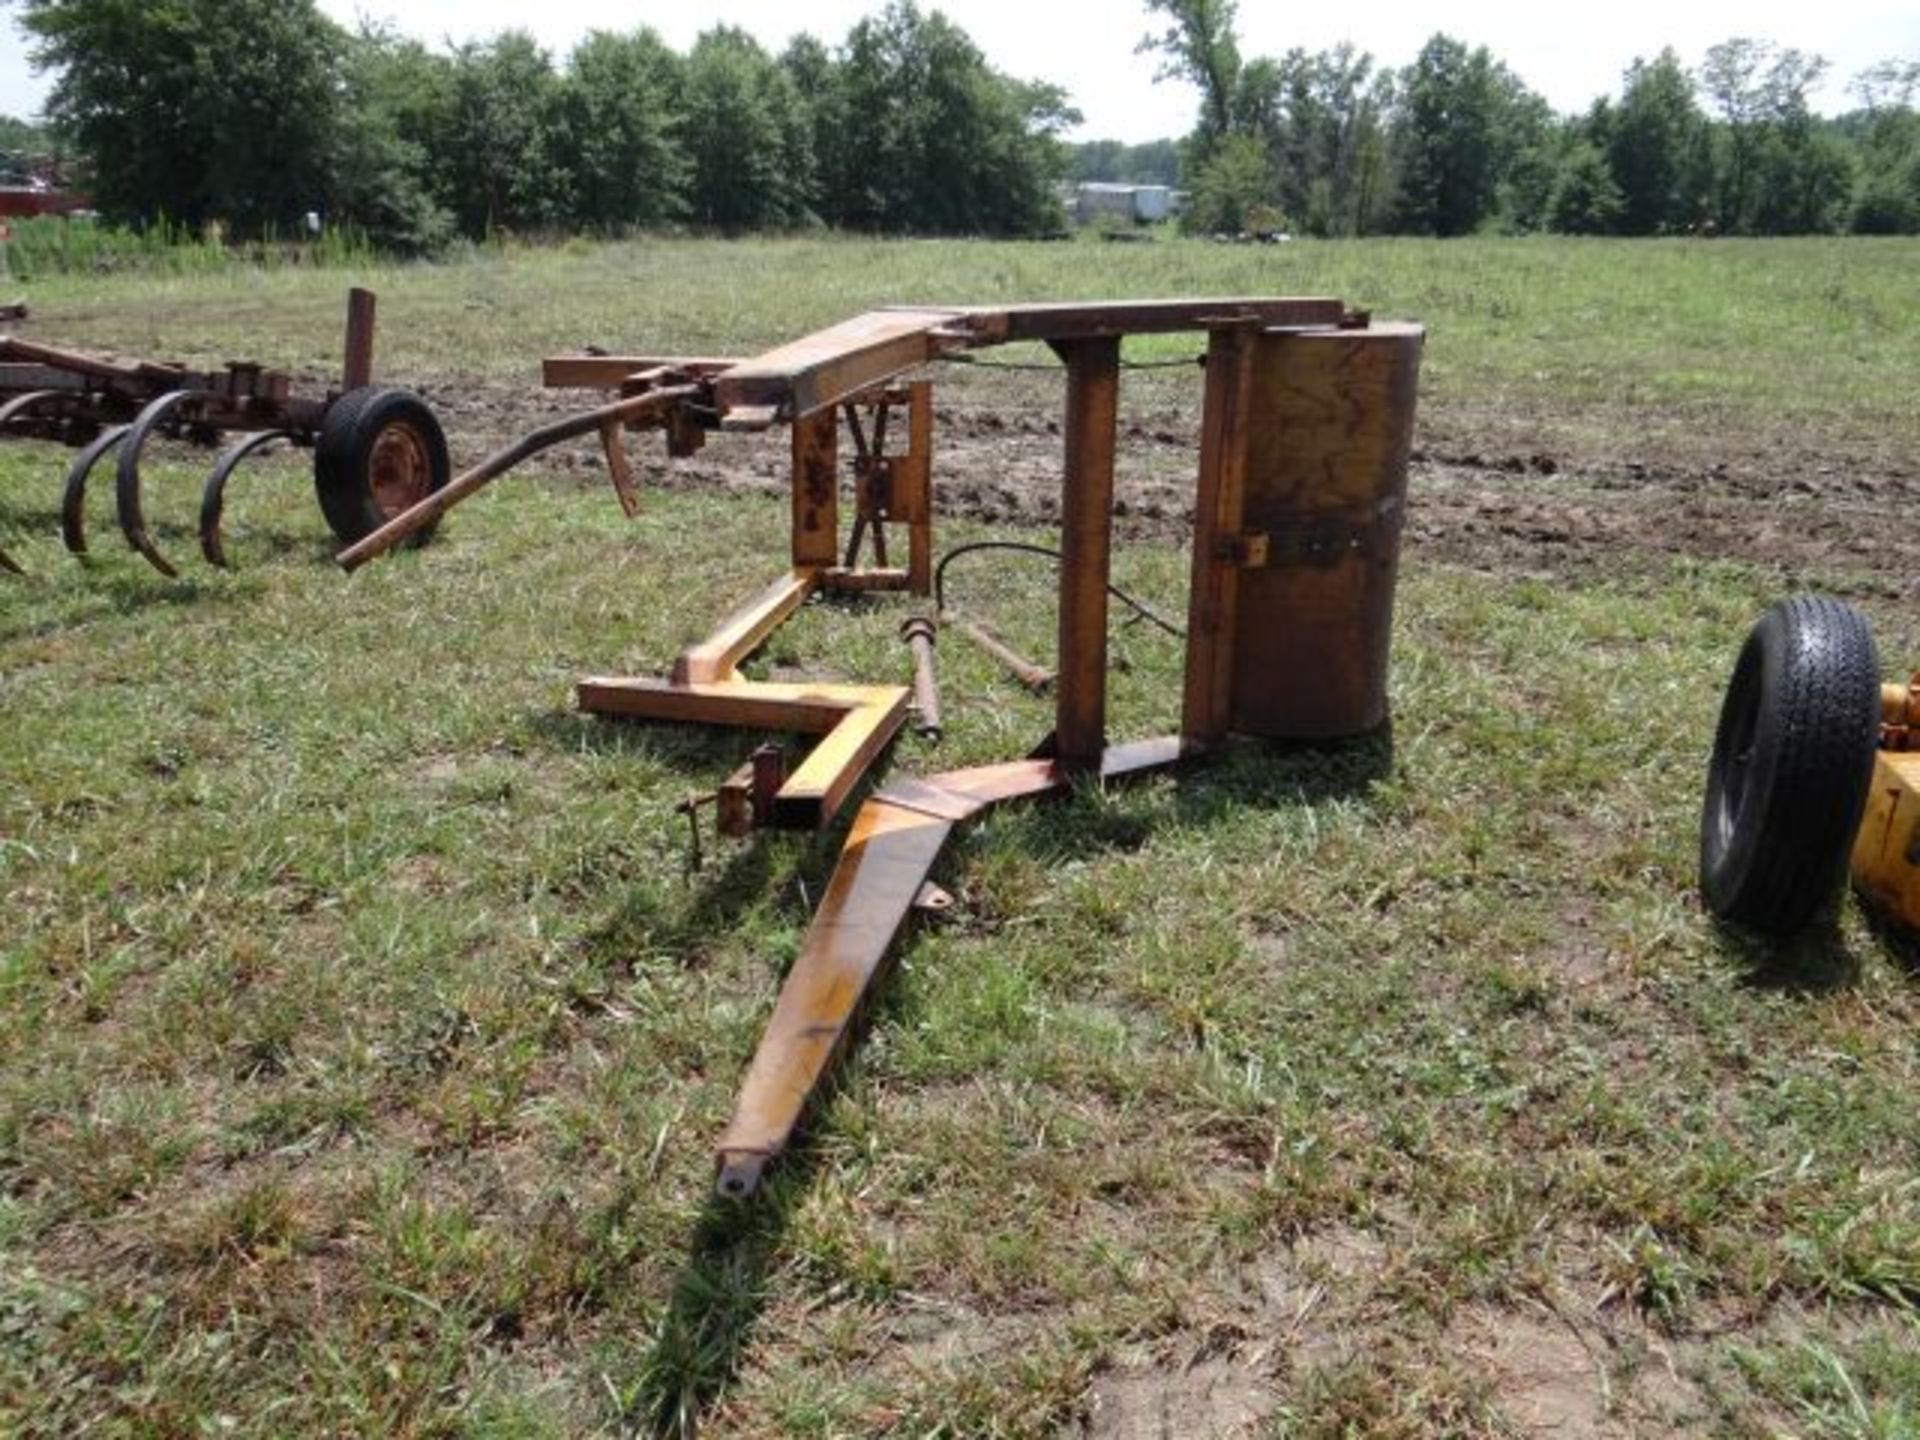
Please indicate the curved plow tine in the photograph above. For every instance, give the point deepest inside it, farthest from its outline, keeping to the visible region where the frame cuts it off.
(73, 499)
(21, 404)
(127, 492)
(213, 499)
(9, 412)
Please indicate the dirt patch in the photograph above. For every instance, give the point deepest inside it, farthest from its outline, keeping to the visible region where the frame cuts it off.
(1581, 960)
(1343, 1254)
(1519, 495)
(948, 1337)
(1289, 1311)
(1548, 1380)
(1294, 1314)
(1585, 525)
(421, 875)
(1206, 1399)
(441, 770)
(1555, 1375)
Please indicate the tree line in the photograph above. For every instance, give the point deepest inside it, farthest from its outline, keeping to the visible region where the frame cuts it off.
(256, 112)
(1328, 144)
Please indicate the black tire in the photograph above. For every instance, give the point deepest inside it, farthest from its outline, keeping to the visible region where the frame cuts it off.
(354, 462)
(1792, 760)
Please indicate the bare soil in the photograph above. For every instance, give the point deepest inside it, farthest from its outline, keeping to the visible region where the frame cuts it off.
(1506, 493)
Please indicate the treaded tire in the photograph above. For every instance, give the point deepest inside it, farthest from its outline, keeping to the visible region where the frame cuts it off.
(367, 434)
(1792, 760)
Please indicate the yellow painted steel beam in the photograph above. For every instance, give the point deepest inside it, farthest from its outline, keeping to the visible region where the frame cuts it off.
(896, 838)
(886, 859)
(856, 723)
(717, 658)
(1886, 850)
(610, 372)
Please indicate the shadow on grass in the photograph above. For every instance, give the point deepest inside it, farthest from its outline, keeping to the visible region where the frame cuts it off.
(119, 590)
(680, 917)
(735, 872)
(1274, 775)
(27, 519)
(1900, 942)
(693, 750)
(1244, 775)
(246, 546)
(1816, 961)
(717, 1300)
(722, 1285)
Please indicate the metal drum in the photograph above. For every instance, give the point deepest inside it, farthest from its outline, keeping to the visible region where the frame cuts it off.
(1329, 430)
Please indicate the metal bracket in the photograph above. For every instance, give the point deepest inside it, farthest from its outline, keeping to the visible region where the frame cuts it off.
(1249, 552)
(933, 900)
(689, 806)
(747, 796)
(1313, 541)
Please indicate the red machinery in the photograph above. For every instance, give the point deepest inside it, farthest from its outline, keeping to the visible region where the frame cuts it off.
(378, 450)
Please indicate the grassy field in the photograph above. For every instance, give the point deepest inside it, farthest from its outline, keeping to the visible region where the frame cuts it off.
(364, 1032)
(1581, 336)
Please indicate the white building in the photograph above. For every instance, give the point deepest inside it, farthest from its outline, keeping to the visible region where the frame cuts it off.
(1142, 204)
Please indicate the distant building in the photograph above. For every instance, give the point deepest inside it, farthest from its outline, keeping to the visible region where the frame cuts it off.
(1142, 204)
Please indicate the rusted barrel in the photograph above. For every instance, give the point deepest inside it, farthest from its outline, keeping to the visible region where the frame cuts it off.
(1329, 431)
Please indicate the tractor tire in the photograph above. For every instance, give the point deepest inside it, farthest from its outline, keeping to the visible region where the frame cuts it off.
(1792, 760)
(380, 452)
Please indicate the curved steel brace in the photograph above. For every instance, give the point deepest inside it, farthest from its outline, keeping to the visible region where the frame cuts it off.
(213, 498)
(73, 499)
(127, 492)
(21, 404)
(9, 412)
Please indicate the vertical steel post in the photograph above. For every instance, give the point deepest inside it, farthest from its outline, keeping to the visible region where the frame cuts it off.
(357, 370)
(919, 633)
(1086, 546)
(816, 490)
(1219, 504)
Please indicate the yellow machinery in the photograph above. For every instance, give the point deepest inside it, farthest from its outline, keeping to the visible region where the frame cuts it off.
(1886, 850)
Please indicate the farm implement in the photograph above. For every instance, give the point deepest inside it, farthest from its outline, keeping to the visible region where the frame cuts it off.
(377, 449)
(1299, 500)
(1307, 423)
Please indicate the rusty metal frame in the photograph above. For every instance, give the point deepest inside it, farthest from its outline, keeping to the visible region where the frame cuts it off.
(856, 373)
(856, 723)
(813, 384)
(896, 838)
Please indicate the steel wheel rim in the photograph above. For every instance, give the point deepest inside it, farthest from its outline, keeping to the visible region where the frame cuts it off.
(399, 472)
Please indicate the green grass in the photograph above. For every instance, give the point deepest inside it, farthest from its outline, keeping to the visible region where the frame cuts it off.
(44, 247)
(1576, 339)
(363, 1034)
